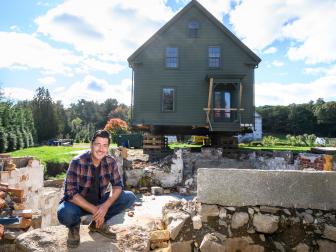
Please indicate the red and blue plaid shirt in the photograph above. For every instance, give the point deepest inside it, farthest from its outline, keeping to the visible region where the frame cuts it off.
(80, 175)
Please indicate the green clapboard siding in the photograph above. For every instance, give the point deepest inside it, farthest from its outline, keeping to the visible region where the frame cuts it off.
(190, 78)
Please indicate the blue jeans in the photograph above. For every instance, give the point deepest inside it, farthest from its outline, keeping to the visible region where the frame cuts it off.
(69, 214)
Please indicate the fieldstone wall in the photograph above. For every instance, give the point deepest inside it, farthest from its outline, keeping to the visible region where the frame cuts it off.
(193, 226)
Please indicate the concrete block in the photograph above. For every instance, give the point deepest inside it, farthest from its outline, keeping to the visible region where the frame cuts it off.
(157, 190)
(243, 187)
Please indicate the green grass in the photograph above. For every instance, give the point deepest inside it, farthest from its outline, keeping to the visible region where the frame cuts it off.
(183, 145)
(56, 154)
(58, 176)
(276, 148)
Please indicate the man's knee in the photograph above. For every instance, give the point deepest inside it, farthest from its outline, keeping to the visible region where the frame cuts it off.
(130, 198)
(68, 214)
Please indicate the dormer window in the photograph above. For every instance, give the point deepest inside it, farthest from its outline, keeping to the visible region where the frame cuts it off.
(193, 27)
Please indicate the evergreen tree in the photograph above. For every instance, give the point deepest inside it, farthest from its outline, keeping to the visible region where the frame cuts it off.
(44, 115)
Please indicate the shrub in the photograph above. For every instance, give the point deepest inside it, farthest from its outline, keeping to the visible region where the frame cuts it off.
(269, 140)
(3, 140)
(116, 126)
(301, 140)
(12, 141)
(19, 139)
(30, 139)
(25, 138)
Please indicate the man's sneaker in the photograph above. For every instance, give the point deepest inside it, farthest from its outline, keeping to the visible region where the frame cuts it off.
(73, 236)
(103, 230)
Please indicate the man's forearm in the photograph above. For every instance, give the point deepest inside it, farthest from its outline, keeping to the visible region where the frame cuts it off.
(114, 195)
(78, 200)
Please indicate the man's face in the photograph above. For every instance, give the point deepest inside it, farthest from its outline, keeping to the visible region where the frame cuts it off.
(99, 148)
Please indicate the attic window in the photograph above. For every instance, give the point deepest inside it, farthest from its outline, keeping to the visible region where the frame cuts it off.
(171, 57)
(193, 28)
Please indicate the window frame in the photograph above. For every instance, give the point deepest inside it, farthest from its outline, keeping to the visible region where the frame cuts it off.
(193, 32)
(162, 99)
(214, 58)
(171, 57)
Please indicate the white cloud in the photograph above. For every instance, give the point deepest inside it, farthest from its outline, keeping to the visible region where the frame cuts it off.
(306, 23)
(23, 51)
(92, 88)
(270, 50)
(111, 28)
(283, 94)
(17, 94)
(277, 63)
(217, 7)
(259, 22)
(47, 80)
(15, 28)
(321, 70)
(91, 64)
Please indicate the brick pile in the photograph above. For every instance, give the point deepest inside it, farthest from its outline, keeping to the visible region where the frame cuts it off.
(13, 214)
(310, 161)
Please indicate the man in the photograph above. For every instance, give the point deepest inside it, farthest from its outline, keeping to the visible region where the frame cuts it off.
(86, 183)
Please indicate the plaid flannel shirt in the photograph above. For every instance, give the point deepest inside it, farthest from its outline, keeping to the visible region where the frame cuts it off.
(80, 175)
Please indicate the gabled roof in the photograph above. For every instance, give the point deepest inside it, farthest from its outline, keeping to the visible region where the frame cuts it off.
(214, 20)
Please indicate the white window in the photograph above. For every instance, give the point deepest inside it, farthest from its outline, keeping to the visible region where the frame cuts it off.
(171, 57)
(214, 56)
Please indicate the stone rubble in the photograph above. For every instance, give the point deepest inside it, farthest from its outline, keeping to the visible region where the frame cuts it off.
(249, 228)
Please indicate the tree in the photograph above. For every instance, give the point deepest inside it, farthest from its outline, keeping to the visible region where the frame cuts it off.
(44, 115)
(121, 111)
(301, 119)
(325, 114)
(62, 120)
(1, 94)
(116, 126)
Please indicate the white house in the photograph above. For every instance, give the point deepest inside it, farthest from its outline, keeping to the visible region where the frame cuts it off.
(257, 131)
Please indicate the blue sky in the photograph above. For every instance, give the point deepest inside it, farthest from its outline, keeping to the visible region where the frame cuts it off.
(78, 48)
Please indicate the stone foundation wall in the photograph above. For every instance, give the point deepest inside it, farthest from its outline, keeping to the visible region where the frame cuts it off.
(180, 169)
(194, 226)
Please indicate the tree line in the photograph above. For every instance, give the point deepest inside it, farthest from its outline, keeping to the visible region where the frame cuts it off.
(36, 121)
(317, 118)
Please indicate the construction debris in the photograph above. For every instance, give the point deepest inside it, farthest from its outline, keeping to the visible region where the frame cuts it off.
(13, 215)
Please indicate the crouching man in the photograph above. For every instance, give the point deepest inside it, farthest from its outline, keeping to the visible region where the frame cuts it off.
(86, 185)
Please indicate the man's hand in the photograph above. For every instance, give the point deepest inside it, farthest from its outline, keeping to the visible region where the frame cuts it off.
(99, 215)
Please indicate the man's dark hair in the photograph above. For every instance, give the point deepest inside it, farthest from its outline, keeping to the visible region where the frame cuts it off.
(102, 134)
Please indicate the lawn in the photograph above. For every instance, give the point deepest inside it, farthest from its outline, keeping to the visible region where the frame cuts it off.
(183, 145)
(276, 148)
(55, 154)
(54, 158)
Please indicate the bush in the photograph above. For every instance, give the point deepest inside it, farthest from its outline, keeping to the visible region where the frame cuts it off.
(301, 140)
(269, 141)
(116, 126)
(25, 138)
(54, 168)
(19, 139)
(3, 140)
(30, 139)
(12, 141)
